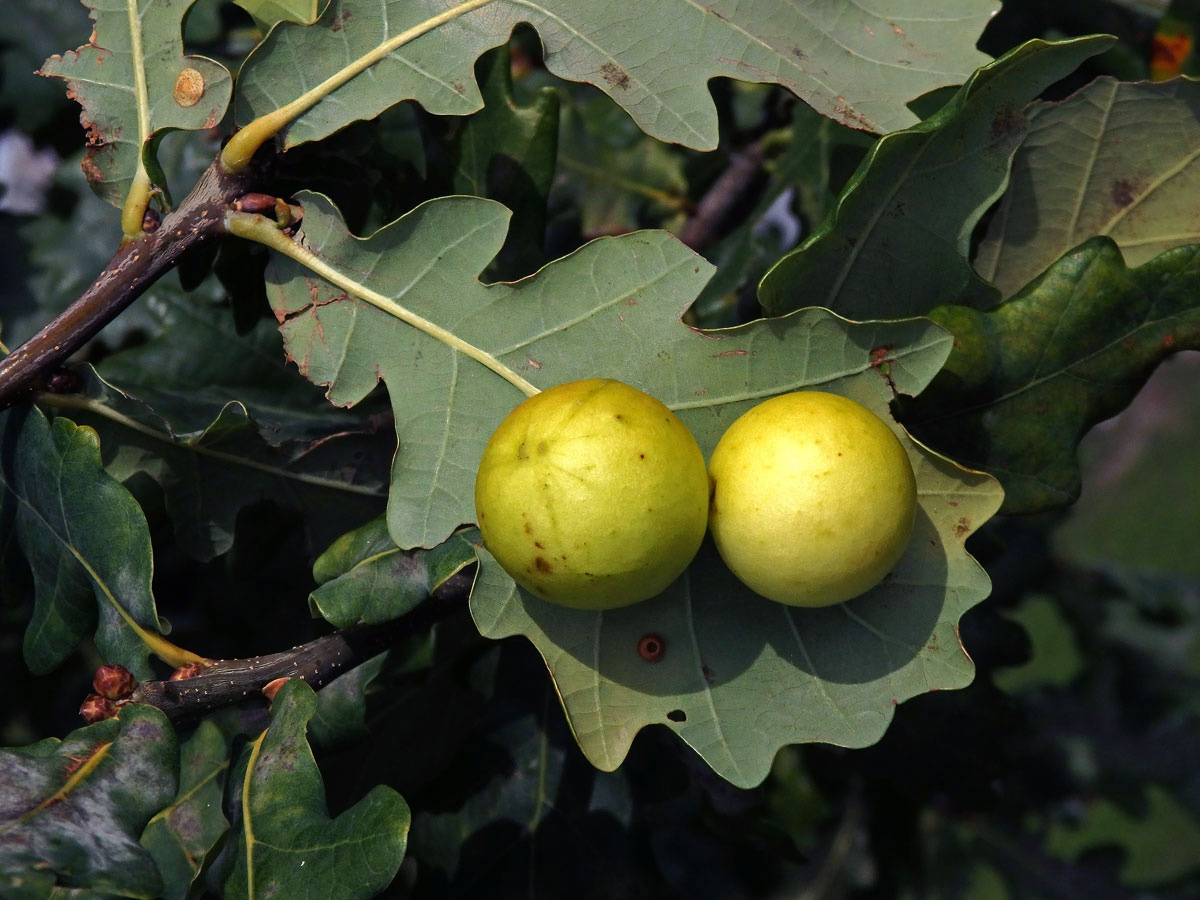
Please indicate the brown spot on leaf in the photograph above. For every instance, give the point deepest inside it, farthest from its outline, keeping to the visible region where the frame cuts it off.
(1169, 342)
(962, 527)
(615, 75)
(651, 648)
(1123, 191)
(1009, 122)
(735, 353)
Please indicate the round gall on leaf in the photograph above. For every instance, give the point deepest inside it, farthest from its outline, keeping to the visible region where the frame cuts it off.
(592, 495)
(813, 499)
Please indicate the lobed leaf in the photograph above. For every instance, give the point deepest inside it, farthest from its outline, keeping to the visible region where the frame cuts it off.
(1028, 379)
(365, 577)
(181, 835)
(135, 84)
(86, 541)
(71, 810)
(211, 470)
(742, 676)
(856, 64)
(458, 350)
(1115, 159)
(905, 219)
(505, 152)
(284, 843)
(610, 309)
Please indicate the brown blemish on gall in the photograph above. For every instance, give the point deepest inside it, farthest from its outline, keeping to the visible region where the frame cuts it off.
(541, 564)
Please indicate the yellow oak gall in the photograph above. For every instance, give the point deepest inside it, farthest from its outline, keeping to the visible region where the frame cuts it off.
(592, 495)
(813, 498)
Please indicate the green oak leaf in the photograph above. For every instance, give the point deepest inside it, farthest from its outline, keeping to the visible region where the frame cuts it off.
(181, 835)
(907, 214)
(1115, 159)
(1054, 656)
(741, 676)
(283, 842)
(341, 716)
(211, 469)
(365, 577)
(1030, 377)
(267, 13)
(135, 84)
(615, 179)
(86, 541)
(860, 66)
(1134, 470)
(71, 810)
(799, 160)
(618, 298)
(505, 152)
(405, 305)
(1160, 846)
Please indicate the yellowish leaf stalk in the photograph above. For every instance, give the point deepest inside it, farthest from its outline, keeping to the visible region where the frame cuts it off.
(236, 155)
(265, 231)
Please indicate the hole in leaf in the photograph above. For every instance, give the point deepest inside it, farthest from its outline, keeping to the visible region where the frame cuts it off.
(677, 715)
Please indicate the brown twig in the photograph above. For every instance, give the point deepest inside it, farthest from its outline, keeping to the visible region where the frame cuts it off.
(719, 200)
(133, 268)
(318, 662)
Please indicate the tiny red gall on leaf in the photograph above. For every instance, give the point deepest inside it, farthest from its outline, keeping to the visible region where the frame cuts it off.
(651, 648)
(114, 682)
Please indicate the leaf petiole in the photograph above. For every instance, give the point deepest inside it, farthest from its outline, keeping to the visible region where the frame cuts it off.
(236, 155)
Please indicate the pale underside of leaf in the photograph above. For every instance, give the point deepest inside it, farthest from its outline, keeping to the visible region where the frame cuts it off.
(742, 676)
(1087, 168)
(857, 65)
(612, 309)
(134, 83)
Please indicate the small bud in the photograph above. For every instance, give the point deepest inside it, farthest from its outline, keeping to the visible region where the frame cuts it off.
(64, 381)
(114, 682)
(151, 220)
(187, 670)
(96, 709)
(271, 688)
(255, 203)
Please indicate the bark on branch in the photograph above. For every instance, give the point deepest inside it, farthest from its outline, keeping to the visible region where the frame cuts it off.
(133, 268)
(318, 662)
